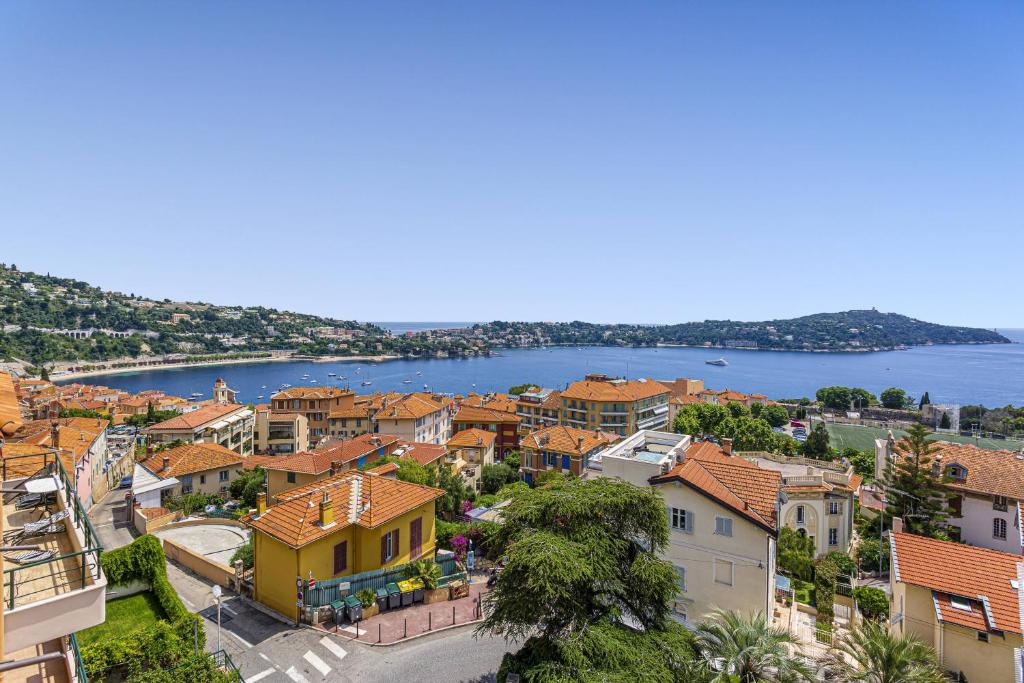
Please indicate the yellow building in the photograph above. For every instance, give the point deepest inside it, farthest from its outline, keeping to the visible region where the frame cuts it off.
(347, 524)
(963, 601)
(615, 405)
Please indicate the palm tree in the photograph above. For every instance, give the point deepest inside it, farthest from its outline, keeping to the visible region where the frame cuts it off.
(871, 654)
(749, 650)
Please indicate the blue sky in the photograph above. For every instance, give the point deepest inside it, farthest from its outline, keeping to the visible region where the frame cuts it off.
(640, 162)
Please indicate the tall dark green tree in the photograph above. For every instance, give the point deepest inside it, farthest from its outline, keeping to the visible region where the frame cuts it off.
(912, 490)
(817, 444)
(893, 397)
(924, 400)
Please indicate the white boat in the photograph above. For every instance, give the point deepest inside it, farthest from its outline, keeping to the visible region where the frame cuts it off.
(332, 374)
(263, 387)
(312, 381)
(425, 387)
(260, 396)
(720, 362)
(418, 372)
(366, 382)
(406, 381)
(196, 394)
(342, 377)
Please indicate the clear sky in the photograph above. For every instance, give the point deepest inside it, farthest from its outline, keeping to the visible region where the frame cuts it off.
(636, 162)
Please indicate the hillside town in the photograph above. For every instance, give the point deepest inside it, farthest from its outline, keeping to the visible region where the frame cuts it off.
(354, 522)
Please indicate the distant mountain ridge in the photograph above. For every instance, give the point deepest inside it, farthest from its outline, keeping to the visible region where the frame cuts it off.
(856, 330)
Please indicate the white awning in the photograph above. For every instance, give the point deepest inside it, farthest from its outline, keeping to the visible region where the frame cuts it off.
(144, 481)
(219, 425)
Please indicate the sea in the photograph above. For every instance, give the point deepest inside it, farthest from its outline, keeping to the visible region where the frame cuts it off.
(990, 374)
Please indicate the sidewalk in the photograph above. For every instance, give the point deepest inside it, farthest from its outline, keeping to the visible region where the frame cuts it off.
(396, 625)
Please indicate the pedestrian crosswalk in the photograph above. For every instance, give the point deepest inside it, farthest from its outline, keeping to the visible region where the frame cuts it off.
(317, 663)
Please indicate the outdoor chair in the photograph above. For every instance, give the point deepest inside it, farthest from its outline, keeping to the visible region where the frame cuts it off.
(28, 556)
(48, 525)
(29, 501)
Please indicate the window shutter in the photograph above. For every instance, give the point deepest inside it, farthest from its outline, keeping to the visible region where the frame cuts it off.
(689, 522)
(383, 548)
(565, 463)
(415, 537)
(395, 548)
(340, 557)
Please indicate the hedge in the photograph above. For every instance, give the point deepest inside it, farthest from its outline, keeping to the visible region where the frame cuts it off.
(825, 576)
(168, 643)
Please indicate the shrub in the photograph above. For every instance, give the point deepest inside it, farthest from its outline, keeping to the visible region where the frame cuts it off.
(867, 555)
(825, 575)
(796, 554)
(446, 531)
(493, 477)
(485, 501)
(509, 490)
(366, 597)
(873, 602)
(427, 570)
(843, 562)
(245, 554)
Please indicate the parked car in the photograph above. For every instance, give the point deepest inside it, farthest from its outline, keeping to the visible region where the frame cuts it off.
(794, 423)
(126, 482)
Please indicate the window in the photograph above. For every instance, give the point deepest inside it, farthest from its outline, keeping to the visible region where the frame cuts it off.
(833, 507)
(340, 557)
(681, 577)
(799, 514)
(223, 475)
(999, 503)
(723, 526)
(388, 546)
(415, 538)
(202, 478)
(999, 528)
(565, 462)
(833, 536)
(291, 477)
(680, 519)
(186, 483)
(723, 571)
(982, 636)
(956, 504)
(959, 603)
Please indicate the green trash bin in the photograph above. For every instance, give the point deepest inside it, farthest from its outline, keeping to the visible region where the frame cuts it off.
(394, 596)
(382, 599)
(354, 608)
(338, 610)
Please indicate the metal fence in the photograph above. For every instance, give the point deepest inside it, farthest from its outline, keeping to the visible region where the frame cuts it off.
(329, 590)
(80, 675)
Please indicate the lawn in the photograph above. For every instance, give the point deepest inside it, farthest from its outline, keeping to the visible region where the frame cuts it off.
(803, 591)
(124, 615)
(863, 438)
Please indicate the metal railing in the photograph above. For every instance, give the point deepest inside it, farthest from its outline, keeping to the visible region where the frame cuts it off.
(80, 675)
(223, 661)
(66, 570)
(329, 590)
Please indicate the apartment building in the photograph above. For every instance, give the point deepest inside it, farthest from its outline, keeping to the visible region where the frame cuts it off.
(468, 451)
(504, 425)
(723, 517)
(315, 403)
(350, 523)
(197, 468)
(963, 601)
(334, 457)
(615, 405)
(422, 417)
(640, 457)
(987, 490)
(538, 408)
(281, 433)
(819, 501)
(561, 449)
(228, 425)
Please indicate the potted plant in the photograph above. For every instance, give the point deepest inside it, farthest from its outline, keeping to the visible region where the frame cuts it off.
(429, 572)
(368, 598)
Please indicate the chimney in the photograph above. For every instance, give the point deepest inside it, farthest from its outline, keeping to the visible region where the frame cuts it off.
(261, 503)
(326, 512)
(166, 463)
(335, 467)
(897, 525)
(727, 446)
(355, 496)
(579, 442)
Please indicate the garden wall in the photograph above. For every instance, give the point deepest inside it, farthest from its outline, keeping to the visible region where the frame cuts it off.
(203, 566)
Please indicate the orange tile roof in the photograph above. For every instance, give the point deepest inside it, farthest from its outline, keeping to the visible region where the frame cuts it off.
(295, 519)
(251, 462)
(196, 418)
(978, 574)
(334, 451)
(732, 481)
(423, 453)
(633, 390)
(10, 410)
(999, 473)
(472, 438)
(190, 459)
(729, 395)
(354, 412)
(311, 393)
(562, 439)
(384, 470)
(971, 618)
(501, 403)
(485, 416)
(412, 407)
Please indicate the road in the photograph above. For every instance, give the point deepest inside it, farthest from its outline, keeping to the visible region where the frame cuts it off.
(109, 519)
(308, 656)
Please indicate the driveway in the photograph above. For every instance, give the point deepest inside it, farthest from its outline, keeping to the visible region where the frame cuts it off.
(109, 519)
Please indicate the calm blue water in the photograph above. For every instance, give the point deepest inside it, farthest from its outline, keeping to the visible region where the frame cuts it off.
(992, 375)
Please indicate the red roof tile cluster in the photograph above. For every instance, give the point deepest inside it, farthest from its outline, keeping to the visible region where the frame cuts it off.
(569, 440)
(981, 576)
(990, 473)
(190, 459)
(475, 415)
(197, 418)
(614, 390)
(340, 451)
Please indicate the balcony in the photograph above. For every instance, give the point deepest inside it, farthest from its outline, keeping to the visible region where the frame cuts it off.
(61, 591)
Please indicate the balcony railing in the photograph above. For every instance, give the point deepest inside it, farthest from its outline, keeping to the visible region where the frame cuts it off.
(80, 675)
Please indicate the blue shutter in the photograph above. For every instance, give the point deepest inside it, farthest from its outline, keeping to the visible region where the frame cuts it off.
(362, 461)
(565, 462)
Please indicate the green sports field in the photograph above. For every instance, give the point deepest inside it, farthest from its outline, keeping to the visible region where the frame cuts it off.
(863, 438)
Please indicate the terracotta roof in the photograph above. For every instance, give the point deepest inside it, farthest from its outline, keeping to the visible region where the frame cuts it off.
(291, 417)
(10, 410)
(501, 403)
(685, 400)
(384, 470)
(311, 393)
(423, 453)
(295, 519)
(485, 416)
(631, 390)
(732, 481)
(978, 574)
(353, 412)
(729, 395)
(412, 407)
(197, 418)
(990, 473)
(190, 459)
(251, 462)
(472, 438)
(561, 439)
(335, 450)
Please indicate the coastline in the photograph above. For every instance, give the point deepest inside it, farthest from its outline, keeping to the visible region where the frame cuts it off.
(58, 379)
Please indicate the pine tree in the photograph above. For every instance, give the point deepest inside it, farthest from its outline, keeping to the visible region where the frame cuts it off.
(945, 423)
(913, 492)
(924, 400)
